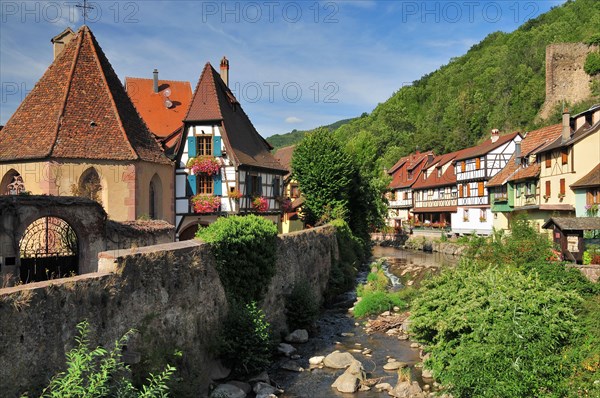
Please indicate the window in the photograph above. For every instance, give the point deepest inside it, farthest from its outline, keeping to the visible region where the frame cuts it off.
(478, 163)
(155, 198)
(89, 185)
(530, 189)
(482, 215)
(276, 186)
(410, 175)
(12, 183)
(480, 189)
(253, 185)
(405, 195)
(547, 188)
(592, 196)
(564, 154)
(294, 191)
(548, 160)
(204, 145)
(204, 184)
(466, 215)
(430, 192)
(562, 187)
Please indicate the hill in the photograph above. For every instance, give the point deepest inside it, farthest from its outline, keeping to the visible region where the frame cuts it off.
(498, 83)
(295, 136)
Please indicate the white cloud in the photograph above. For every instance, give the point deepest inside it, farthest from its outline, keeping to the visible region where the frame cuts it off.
(293, 120)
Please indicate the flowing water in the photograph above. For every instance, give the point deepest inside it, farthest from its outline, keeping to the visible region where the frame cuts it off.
(338, 330)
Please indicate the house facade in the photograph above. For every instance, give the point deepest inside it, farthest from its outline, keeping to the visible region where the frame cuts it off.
(291, 220)
(77, 133)
(474, 167)
(224, 166)
(404, 174)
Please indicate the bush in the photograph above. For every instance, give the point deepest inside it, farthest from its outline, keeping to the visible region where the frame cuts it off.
(376, 302)
(245, 249)
(246, 343)
(100, 373)
(592, 63)
(495, 332)
(302, 308)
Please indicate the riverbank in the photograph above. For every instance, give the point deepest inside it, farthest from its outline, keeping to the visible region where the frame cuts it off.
(422, 243)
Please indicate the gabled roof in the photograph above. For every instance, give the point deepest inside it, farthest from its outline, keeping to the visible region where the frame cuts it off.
(160, 119)
(486, 146)
(573, 223)
(214, 102)
(533, 141)
(447, 178)
(591, 179)
(576, 136)
(78, 110)
(284, 157)
(413, 163)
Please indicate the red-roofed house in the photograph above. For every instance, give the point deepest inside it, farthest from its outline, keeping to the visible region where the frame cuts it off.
(77, 133)
(404, 174)
(224, 166)
(163, 105)
(474, 167)
(291, 220)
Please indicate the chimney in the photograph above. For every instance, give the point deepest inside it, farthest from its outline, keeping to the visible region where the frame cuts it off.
(429, 158)
(155, 73)
(495, 135)
(225, 70)
(518, 153)
(566, 126)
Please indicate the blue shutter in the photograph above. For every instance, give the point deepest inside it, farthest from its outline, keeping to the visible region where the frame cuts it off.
(191, 187)
(217, 187)
(216, 146)
(191, 147)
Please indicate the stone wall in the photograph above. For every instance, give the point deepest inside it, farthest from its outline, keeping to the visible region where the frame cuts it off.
(592, 271)
(170, 293)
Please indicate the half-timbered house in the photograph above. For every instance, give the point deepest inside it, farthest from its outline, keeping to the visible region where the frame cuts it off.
(404, 174)
(223, 165)
(474, 167)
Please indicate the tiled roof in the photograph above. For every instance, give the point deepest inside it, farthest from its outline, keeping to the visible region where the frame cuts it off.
(533, 141)
(284, 157)
(415, 163)
(573, 223)
(161, 121)
(78, 109)
(447, 178)
(214, 102)
(591, 179)
(438, 209)
(486, 146)
(577, 135)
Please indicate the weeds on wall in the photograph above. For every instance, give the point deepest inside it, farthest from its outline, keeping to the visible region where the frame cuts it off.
(301, 307)
(97, 372)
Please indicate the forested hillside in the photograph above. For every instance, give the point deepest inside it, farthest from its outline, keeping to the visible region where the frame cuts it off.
(498, 83)
(295, 136)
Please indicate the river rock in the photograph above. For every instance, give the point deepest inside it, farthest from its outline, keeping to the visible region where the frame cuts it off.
(392, 332)
(291, 365)
(297, 336)
(396, 309)
(247, 388)
(393, 365)
(316, 360)
(385, 313)
(218, 371)
(227, 391)
(406, 389)
(261, 377)
(338, 360)
(427, 374)
(415, 345)
(406, 325)
(286, 349)
(350, 380)
(383, 387)
(264, 389)
(403, 337)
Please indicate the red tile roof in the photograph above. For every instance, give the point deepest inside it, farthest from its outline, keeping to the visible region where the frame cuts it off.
(591, 179)
(161, 120)
(533, 141)
(214, 102)
(414, 163)
(486, 146)
(78, 109)
(284, 157)
(447, 178)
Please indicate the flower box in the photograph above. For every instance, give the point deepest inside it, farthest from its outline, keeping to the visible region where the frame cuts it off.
(204, 165)
(235, 194)
(261, 204)
(204, 203)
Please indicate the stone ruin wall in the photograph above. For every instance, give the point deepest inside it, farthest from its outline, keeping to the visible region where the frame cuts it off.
(170, 293)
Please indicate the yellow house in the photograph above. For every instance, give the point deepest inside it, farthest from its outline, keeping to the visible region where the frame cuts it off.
(291, 220)
(77, 133)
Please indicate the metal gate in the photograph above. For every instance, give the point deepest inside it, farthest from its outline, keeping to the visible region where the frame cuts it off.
(48, 250)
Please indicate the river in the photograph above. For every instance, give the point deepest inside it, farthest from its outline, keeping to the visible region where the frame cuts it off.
(337, 329)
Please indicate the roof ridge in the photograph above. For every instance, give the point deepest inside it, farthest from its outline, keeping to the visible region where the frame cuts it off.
(166, 80)
(91, 38)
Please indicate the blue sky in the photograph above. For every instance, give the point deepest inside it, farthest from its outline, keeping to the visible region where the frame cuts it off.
(293, 65)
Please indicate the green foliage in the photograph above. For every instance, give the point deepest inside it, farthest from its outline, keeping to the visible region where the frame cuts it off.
(375, 302)
(246, 343)
(100, 373)
(594, 39)
(592, 64)
(302, 307)
(245, 249)
(587, 257)
(495, 332)
(295, 136)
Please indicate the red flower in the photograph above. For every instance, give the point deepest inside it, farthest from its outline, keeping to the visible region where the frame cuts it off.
(261, 204)
(203, 203)
(204, 164)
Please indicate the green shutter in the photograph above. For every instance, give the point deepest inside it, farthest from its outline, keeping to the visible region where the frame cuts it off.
(217, 187)
(191, 147)
(259, 190)
(216, 145)
(248, 184)
(192, 186)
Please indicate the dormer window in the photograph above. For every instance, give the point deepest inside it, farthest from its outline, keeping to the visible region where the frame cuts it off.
(439, 172)
(410, 175)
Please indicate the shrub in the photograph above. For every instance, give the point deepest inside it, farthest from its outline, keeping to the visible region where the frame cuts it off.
(376, 302)
(495, 332)
(245, 250)
(246, 343)
(592, 63)
(302, 308)
(587, 258)
(100, 373)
